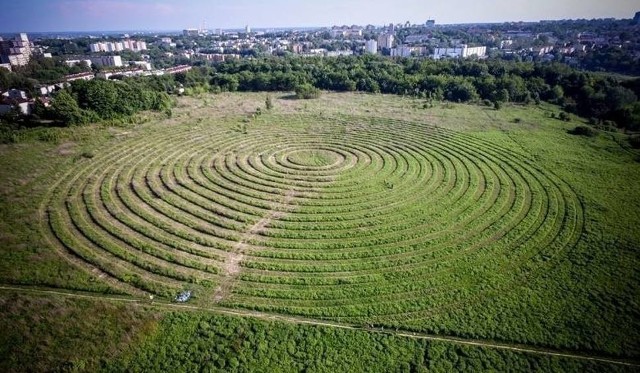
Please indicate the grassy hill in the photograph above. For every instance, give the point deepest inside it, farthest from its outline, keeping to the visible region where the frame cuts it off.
(374, 211)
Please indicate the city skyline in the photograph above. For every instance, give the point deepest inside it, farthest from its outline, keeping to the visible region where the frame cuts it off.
(108, 15)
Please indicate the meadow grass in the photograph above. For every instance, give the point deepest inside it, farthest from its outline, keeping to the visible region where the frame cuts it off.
(357, 208)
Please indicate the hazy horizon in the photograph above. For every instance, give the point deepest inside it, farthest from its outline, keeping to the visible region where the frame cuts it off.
(167, 15)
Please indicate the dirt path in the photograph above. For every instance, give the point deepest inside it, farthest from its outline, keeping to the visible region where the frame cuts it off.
(232, 268)
(300, 320)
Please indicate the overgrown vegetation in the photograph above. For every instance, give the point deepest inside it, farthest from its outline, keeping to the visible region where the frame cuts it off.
(464, 223)
(42, 333)
(204, 342)
(90, 101)
(583, 131)
(585, 94)
(67, 334)
(307, 91)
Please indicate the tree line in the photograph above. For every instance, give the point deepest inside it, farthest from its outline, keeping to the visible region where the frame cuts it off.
(598, 97)
(589, 95)
(98, 99)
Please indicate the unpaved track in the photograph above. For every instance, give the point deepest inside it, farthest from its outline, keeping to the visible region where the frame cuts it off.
(300, 320)
(232, 264)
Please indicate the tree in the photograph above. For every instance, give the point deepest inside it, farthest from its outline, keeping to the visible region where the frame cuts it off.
(502, 95)
(65, 108)
(556, 95)
(460, 90)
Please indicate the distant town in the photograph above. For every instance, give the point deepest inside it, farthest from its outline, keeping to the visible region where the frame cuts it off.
(88, 56)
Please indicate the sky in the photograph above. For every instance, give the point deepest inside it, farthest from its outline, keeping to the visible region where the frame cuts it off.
(114, 15)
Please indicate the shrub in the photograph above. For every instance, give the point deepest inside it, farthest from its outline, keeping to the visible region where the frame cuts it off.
(497, 105)
(583, 131)
(307, 91)
(517, 120)
(269, 102)
(564, 116)
(87, 154)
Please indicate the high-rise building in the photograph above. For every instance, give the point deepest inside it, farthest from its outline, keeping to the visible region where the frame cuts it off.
(247, 29)
(297, 48)
(459, 52)
(95, 47)
(133, 45)
(385, 41)
(16, 51)
(190, 32)
(371, 46)
(402, 51)
(115, 61)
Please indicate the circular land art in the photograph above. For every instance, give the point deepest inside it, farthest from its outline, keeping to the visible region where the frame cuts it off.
(346, 219)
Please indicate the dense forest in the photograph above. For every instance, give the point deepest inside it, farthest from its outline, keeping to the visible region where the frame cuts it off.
(602, 99)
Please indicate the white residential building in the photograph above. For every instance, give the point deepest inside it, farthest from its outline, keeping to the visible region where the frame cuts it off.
(115, 61)
(143, 64)
(80, 76)
(459, 52)
(402, 51)
(18, 59)
(15, 94)
(72, 63)
(134, 45)
(18, 99)
(178, 69)
(190, 32)
(371, 46)
(347, 32)
(167, 42)
(16, 51)
(385, 41)
(339, 53)
(127, 73)
(47, 89)
(504, 44)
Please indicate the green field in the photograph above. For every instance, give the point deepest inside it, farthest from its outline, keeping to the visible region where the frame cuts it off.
(364, 210)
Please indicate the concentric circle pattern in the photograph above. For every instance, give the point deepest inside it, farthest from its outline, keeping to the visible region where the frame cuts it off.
(335, 218)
